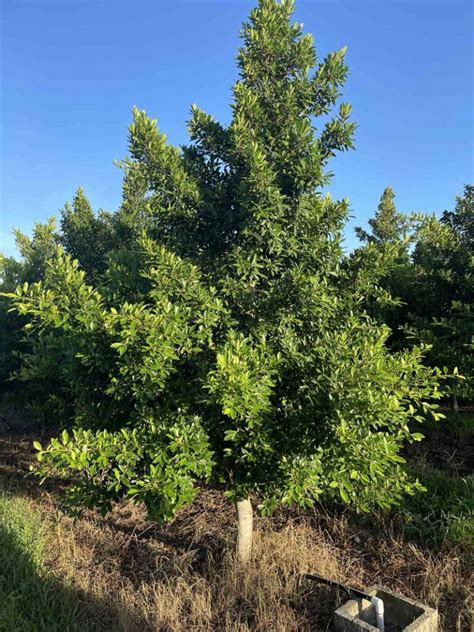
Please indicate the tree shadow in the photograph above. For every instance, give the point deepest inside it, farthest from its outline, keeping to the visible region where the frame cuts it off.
(32, 600)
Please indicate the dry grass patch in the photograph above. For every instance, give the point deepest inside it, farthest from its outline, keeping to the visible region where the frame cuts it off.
(142, 581)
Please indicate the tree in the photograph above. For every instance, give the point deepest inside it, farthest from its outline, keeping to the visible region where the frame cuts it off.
(91, 238)
(444, 254)
(226, 342)
(85, 236)
(34, 254)
(388, 225)
(442, 286)
(386, 251)
(427, 288)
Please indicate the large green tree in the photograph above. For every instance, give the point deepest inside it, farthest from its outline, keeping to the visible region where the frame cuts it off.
(225, 341)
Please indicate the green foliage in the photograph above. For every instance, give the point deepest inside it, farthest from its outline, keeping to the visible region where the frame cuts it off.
(30, 599)
(36, 251)
(373, 397)
(108, 364)
(444, 256)
(158, 462)
(227, 338)
(385, 258)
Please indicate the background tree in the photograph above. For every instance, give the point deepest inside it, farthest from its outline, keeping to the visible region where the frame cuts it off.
(386, 250)
(90, 238)
(387, 225)
(34, 251)
(226, 341)
(428, 276)
(443, 290)
(86, 236)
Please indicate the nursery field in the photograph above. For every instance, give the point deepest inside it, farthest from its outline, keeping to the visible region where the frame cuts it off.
(122, 572)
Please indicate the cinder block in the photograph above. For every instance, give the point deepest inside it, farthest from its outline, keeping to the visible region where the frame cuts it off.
(401, 614)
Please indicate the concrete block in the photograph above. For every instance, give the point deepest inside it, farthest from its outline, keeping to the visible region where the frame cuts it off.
(401, 614)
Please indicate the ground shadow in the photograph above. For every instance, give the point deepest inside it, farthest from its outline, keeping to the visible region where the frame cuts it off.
(33, 601)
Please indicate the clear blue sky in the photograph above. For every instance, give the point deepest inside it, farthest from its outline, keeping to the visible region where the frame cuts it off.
(73, 69)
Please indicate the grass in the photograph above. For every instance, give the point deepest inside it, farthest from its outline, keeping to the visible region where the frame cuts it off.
(445, 512)
(29, 598)
(444, 464)
(458, 425)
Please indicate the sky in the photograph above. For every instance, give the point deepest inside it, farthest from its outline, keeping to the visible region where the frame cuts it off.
(71, 71)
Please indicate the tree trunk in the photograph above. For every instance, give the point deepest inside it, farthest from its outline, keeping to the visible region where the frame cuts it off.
(454, 404)
(245, 529)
